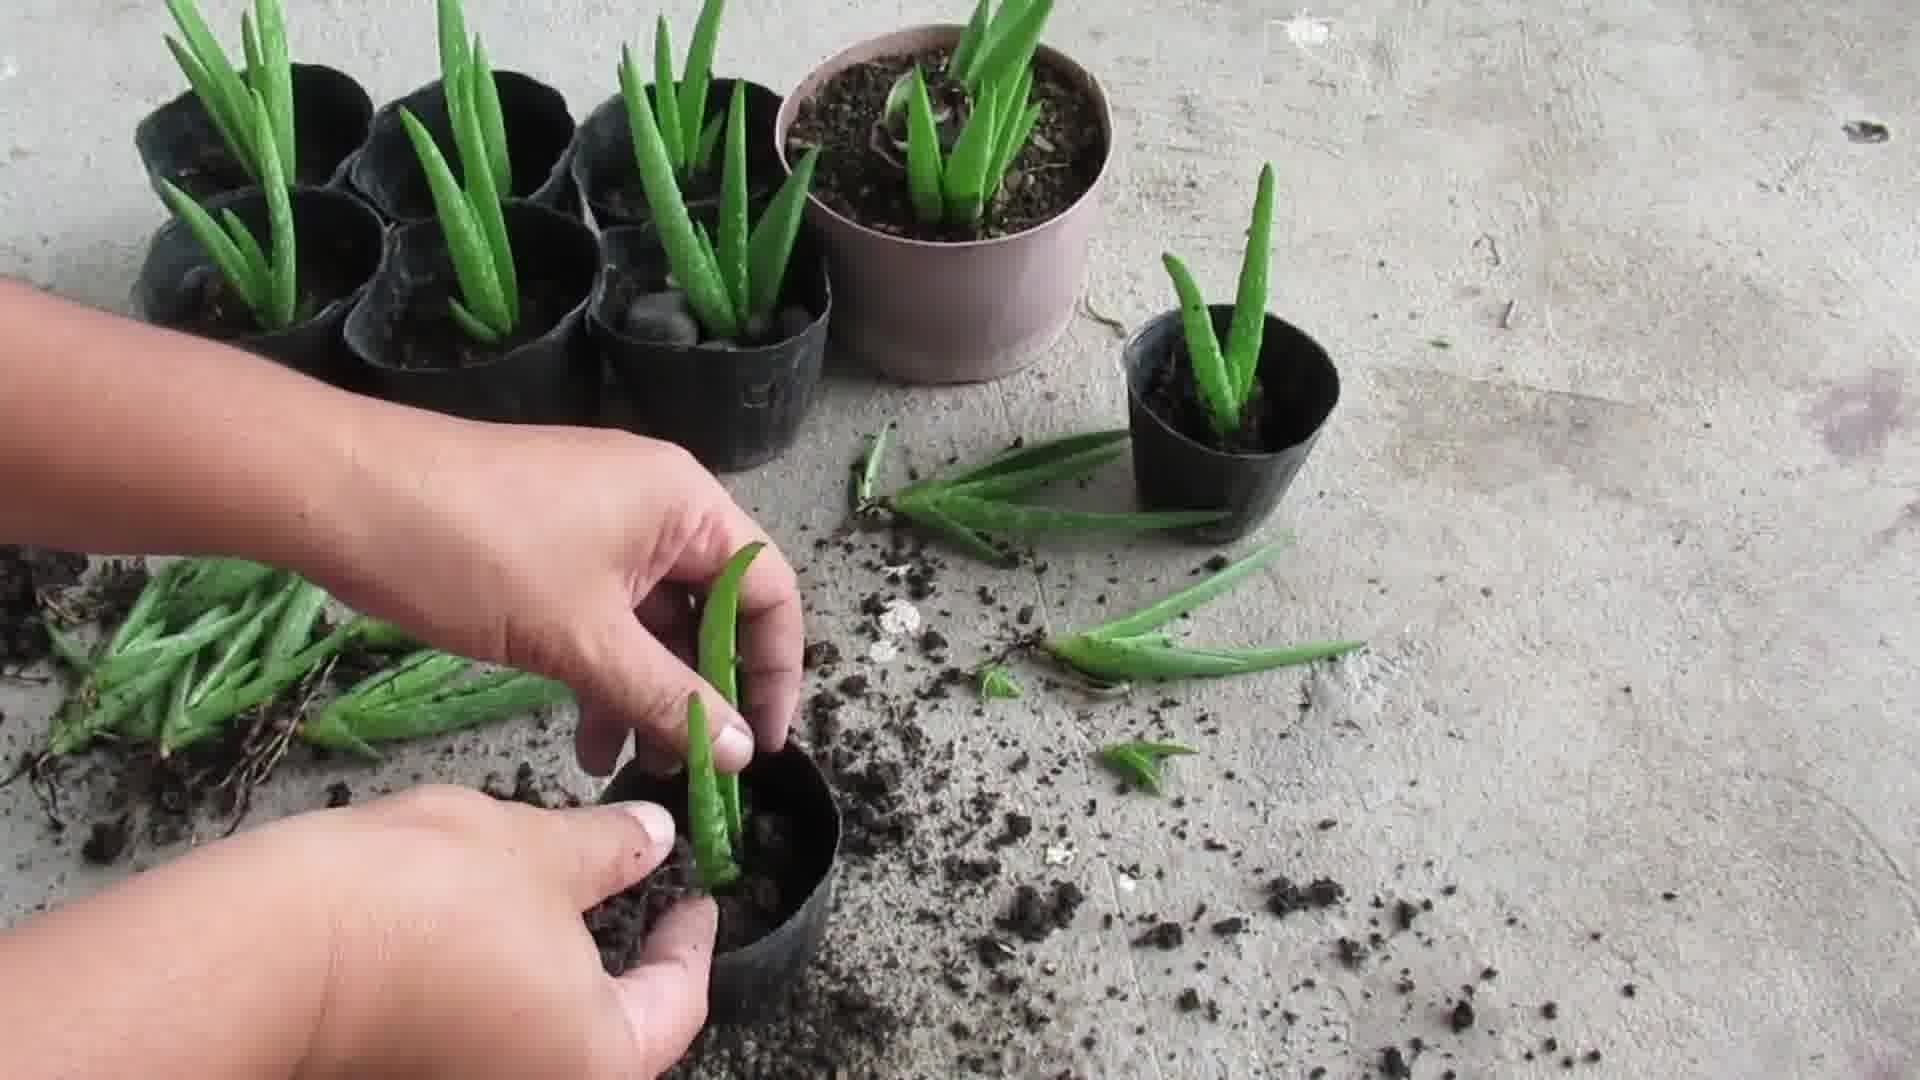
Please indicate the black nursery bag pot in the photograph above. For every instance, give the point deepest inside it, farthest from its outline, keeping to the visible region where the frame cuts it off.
(386, 170)
(608, 177)
(338, 242)
(733, 407)
(1178, 461)
(751, 981)
(178, 141)
(403, 334)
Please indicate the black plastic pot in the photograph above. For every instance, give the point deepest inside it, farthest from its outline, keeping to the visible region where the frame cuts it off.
(750, 983)
(179, 143)
(339, 243)
(403, 333)
(386, 170)
(1174, 469)
(609, 180)
(733, 408)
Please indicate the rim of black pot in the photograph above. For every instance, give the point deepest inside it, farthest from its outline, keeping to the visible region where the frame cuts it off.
(632, 783)
(306, 193)
(1136, 360)
(386, 123)
(607, 123)
(147, 135)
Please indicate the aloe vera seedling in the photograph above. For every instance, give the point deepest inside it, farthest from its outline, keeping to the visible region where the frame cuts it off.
(968, 503)
(707, 829)
(719, 665)
(264, 278)
(995, 682)
(957, 165)
(1224, 378)
(732, 281)
(427, 693)
(678, 107)
(228, 95)
(474, 217)
(1139, 762)
(1131, 648)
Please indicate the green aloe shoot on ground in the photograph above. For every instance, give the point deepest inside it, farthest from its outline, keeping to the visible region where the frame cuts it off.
(993, 62)
(1132, 648)
(473, 218)
(1224, 377)
(968, 503)
(1139, 762)
(429, 692)
(265, 278)
(719, 665)
(228, 95)
(678, 107)
(733, 280)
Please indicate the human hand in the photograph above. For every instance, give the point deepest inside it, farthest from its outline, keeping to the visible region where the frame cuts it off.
(459, 949)
(536, 547)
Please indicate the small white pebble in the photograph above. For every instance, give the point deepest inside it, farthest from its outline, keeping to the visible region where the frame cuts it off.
(1125, 883)
(900, 617)
(883, 651)
(1059, 855)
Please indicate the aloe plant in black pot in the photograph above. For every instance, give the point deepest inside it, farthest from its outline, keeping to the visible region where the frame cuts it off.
(530, 124)
(1225, 429)
(450, 321)
(198, 140)
(713, 338)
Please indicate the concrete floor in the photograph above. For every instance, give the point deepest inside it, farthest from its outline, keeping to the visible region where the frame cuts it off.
(1623, 490)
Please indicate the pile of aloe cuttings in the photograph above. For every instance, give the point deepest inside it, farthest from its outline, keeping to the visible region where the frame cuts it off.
(210, 640)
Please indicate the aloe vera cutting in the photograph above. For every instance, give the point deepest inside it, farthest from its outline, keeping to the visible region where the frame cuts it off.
(1139, 762)
(1132, 648)
(715, 810)
(968, 503)
(1224, 377)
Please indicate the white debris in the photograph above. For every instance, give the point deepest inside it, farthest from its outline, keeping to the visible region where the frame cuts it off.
(1059, 855)
(900, 617)
(1125, 883)
(882, 651)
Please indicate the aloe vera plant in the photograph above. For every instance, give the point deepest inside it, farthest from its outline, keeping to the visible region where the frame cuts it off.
(1224, 378)
(229, 96)
(678, 107)
(1132, 647)
(1139, 762)
(474, 217)
(264, 277)
(429, 692)
(968, 503)
(732, 280)
(956, 165)
(716, 813)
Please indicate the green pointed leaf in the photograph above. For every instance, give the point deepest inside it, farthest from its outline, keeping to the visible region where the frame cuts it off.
(485, 93)
(1011, 42)
(218, 245)
(732, 250)
(1140, 762)
(699, 71)
(774, 235)
(1245, 335)
(969, 45)
(466, 242)
(282, 287)
(451, 26)
(989, 516)
(866, 470)
(931, 516)
(925, 163)
(1029, 456)
(274, 80)
(997, 683)
(706, 812)
(1019, 481)
(963, 183)
(1179, 603)
(484, 194)
(1203, 349)
(667, 114)
(1120, 661)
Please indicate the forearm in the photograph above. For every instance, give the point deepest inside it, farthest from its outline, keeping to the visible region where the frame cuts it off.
(120, 437)
(215, 966)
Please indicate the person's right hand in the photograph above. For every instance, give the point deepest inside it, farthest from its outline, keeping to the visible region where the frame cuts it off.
(536, 546)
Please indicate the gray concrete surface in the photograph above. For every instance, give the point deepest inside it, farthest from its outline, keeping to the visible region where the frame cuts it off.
(1635, 550)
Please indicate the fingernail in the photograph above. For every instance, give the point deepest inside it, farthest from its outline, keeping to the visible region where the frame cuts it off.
(734, 746)
(655, 819)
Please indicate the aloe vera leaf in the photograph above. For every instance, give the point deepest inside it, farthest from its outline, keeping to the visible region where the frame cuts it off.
(212, 625)
(1027, 456)
(698, 277)
(1119, 661)
(1203, 349)
(1014, 137)
(997, 683)
(963, 182)
(925, 163)
(484, 192)
(255, 258)
(266, 677)
(698, 75)
(493, 126)
(191, 586)
(471, 324)
(928, 513)
(990, 516)
(67, 650)
(771, 246)
(731, 252)
(282, 290)
(294, 629)
(150, 606)
(211, 99)
(356, 722)
(229, 90)
(706, 812)
(1249, 325)
(89, 714)
(1003, 484)
(718, 662)
(1011, 42)
(1158, 613)
(666, 112)
(275, 75)
(250, 51)
(466, 243)
(1139, 762)
(175, 730)
(451, 25)
(146, 722)
(866, 469)
(709, 141)
(969, 45)
(219, 246)
(235, 650)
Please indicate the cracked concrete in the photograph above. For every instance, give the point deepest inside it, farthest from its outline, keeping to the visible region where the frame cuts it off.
(1621, 490)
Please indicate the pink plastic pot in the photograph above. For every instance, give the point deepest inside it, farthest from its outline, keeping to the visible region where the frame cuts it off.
(928, 312)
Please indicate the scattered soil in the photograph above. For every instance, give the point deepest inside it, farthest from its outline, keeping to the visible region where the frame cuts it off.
(1173, 395)
(30, 577)
(860, 176)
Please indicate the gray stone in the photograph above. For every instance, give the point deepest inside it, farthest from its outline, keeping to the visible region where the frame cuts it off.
(662, 317)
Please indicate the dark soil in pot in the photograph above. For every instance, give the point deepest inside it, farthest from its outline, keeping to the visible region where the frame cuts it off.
(542, 372)
(338, 240)
(773, 918)
(608, 178)
(734, 404)
(860, 174)
(1181, 462)
(178, 141)
(539, 129)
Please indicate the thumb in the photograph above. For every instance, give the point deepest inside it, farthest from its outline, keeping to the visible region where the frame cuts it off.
(639, 685)
(593, 852)
(664, 995)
